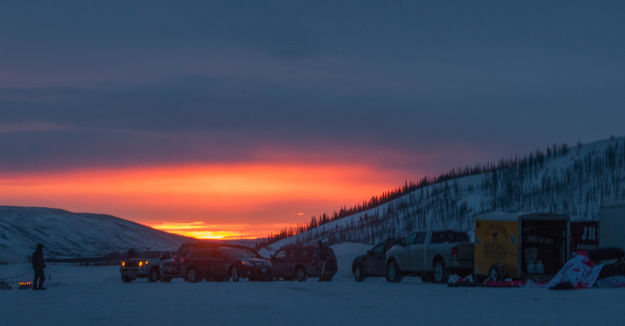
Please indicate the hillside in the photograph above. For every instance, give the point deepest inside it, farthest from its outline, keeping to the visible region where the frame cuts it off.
(567, 180)
(71, 235)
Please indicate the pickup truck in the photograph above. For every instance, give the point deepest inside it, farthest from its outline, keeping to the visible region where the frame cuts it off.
(144, 264)
(430, 254)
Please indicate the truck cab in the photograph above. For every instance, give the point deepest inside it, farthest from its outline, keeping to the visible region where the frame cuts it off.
(431, 254)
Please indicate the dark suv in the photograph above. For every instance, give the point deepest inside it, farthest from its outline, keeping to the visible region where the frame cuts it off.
(300, 262)
(224, 262)
(373, 263)
(171, 268)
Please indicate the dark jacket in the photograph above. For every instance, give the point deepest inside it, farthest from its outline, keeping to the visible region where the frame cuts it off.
(323, 253)
(37, 259)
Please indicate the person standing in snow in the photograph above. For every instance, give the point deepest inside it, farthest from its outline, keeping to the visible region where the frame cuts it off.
(38, 266)
(322, 260)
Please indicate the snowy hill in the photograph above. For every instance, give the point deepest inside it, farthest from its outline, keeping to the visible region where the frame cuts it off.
(71, 235)
(575, 181)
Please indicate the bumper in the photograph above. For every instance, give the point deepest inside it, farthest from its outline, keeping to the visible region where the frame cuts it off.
(133, 272)
(256, 272)
(461, 266)
(170, 271)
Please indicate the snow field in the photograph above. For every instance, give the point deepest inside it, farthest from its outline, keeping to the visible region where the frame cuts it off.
(79, 295)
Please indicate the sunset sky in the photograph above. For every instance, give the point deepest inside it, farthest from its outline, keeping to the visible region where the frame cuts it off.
(234, 119)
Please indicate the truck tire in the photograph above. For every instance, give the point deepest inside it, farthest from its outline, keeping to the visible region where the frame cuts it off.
(393, 274)
(192, 275)
(440, 274)
(359, 276)
(154, 275)
(300, 274)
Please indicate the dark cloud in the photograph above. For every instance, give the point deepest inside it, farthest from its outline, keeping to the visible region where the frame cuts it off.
(118, 83)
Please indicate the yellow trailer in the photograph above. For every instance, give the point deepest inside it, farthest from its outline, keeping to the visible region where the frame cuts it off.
(528, 245)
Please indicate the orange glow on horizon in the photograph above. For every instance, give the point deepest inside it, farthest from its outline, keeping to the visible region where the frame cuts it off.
(222, 201)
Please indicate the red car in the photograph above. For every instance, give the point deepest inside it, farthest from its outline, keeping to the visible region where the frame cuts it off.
(224, 262)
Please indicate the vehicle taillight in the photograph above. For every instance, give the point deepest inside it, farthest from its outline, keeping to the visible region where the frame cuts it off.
(182, 260)
(454, 251)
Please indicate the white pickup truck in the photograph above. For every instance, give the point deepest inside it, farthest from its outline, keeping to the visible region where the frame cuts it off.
(430, 254)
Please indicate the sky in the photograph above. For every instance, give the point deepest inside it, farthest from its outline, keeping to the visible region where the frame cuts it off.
(237, 118)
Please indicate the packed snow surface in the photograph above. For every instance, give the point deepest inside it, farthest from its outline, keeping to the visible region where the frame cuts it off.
(79, 295)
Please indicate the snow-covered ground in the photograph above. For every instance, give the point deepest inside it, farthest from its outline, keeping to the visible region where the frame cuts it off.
(80, 295)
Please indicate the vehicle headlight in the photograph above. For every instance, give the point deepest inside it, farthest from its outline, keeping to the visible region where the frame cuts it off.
(140, 263)
(247, 262)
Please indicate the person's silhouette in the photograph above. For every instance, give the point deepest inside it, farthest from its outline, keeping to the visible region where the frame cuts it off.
(38, 266)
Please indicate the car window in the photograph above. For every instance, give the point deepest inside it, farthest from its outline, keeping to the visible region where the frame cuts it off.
(390, 245)
(239, 253)
(379, 249)
(197, 254)
(460, 237)
(419, 238)
(281, 254)
(452, 237)
(410, 239)
(297, 253)
(438, 237)
(216, 254)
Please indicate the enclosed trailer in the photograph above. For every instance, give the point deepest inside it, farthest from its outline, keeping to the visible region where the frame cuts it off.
(528, 245)
(612, 225)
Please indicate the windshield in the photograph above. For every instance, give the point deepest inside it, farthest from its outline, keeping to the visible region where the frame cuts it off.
(149, 254)
(239, 253)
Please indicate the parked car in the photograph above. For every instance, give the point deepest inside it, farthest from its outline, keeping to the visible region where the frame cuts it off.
(373, 262)
(145, 264)
(432, 254)
(300, 262)
(224, 262)
(171, 268)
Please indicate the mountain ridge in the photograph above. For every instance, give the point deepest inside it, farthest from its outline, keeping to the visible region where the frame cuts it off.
(67, 235)
(573, 180)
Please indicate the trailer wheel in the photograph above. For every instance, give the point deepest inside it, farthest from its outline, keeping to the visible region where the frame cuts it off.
(494, 273)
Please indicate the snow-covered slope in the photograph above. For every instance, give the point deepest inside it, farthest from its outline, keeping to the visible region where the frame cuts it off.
(70, 235)
(575, 181)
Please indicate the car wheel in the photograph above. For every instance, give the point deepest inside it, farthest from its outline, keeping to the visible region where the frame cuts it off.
(126, 279)
(393, 274)
(494, 273)
(154, 275)
(192, 275)
(234, 274)
(165, 279)
(300, 274)
(439, 272)
(358, 274)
